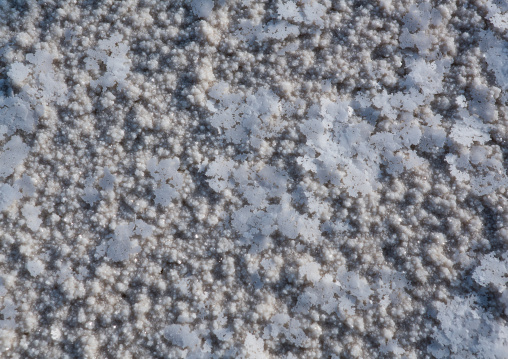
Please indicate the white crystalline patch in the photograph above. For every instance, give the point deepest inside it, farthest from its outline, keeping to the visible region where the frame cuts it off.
(91, 195)
(254, 347)
(121, 247)
(7, 196)
(25, 185)
(12, 155)
(408, 101)
(316, 132)
(287, 222)
(334, 111)
(433, 138)
(164, 194)
(16, 113)
(469, 131)
(421, 40)
(143, 229)
(457, 167)
(51, 87)
(381, 101)
(31, 214)
(418, 17)
(500, 21)
(273, 180)
(278, 31)
(357, 286)
(325, 294)
(35, 267)
(356, 181)
(250, 221)
(18, 73)
(107, 182)
(112, 53)
(223, 334)
(182, 336)
(311, 271)
(489, 182)
(169, 179)
(166, 171)
(467, 331)
(289, 10)
(202, 8)
(428, 76)
(498, 14)
(219, 172)
(342, 153)
(313, 13)
(290, 328)
(496, 55)
(246, 118)
(8, 313)
(492, 271)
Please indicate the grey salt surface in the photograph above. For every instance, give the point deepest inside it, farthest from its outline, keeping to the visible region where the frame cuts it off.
(253, 179)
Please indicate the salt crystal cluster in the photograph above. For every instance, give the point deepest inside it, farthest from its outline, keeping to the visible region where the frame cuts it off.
(254, 179)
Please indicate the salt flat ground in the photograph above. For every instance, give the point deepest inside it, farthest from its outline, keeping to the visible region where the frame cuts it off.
(253, 179)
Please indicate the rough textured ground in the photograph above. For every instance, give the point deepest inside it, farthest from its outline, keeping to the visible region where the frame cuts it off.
(249, 179)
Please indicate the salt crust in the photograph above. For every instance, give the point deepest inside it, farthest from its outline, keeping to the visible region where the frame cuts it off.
(342, 148)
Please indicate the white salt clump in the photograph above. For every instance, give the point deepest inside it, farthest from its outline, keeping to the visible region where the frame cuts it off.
(496, 55)
(12, 155)
(164, 194)
(492, 271)
(498, 14)
(338, 152)
(289, 328)
(107, 182)
(8, 195)
(112, 52)
(278, 31)
(25, 185)
(91, 195)
(222, 332)
(35, 267)
(469, 131)
(169, 180)
(246, 118)
(8, 313)
(121, 246)
(355, 285)
(202, 8)
(433, 134)
(311, 271)
(143, 229)
(289, 10)
(472, 164)
(311, 13)
(467, 331)
(18, 73)
(16, 113)
(219, 172)
(427, 76)
(182, 336)
(165, 170)
(254, 348)
(416, 32)
(31, 214)
(50, 85)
